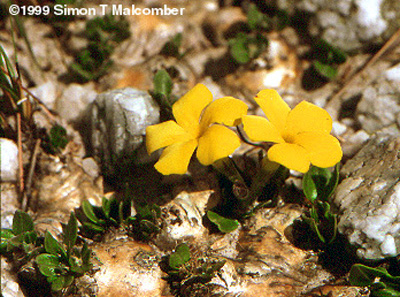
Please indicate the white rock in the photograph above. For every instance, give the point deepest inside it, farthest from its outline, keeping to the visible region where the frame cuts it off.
(369, 15)
(47, 93)
(74, 100)
(9, 160)
(393, 73)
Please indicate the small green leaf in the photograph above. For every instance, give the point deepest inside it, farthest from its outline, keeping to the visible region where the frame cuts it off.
(61, 282)
(94, 227)
(332, 183)
(30, 237)
(326, 70)
(162, 83)
(180, 256)
(239, 49)
(328, 54)
(74, 266)
(361, 275)
(106, 206)
(171, 48)
(6, 233)
(224, 225)
(256, 19)
(88, 211)
(86, 254)
(48, 264)
(320, 183)
(309, 187)
(58, 137)
(71, 233)
(52, 246)
(22, 222)
(217, 266)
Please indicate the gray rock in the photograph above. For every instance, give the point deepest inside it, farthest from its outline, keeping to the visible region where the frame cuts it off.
(118, 121)
(379, 106)
(368, 198)
(349, 24)
(9, 160)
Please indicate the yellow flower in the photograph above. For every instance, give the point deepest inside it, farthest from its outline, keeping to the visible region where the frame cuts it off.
(302, 135)
(195, 116)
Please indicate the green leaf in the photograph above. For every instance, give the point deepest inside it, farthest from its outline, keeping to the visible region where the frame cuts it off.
(224, 225)
(106, 206)
(328, 54)
(332, 183)
(61, 282)
(361, 275)
(6, 233)
(326, 70)
(386, 292)
(22, 222)
(238, 48)
(256, 19)
(180, 256)
(48, 264)
(58, 137)
(309, 187)
(30, 237)
(71, 233)
(86, 254)
(74, 266)
(88, 211)
(93, 227)
(320, 183)
(52, 246)
(171, 48)
(162, 83)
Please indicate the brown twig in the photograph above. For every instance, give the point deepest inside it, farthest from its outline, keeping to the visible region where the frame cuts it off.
(20, 160)
(28, 187)
(334, 102)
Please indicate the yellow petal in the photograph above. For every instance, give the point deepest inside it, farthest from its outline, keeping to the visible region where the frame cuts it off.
(226, 110)
(291, 156)
(164, 134)
(260, 129)
(274, 107)
(187, 110)
(216, 143)
(307, 117)
(323, 150)
(175, 158)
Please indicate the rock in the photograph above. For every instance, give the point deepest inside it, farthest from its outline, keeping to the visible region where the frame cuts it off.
(9, 160)
(74, 100)
(90, 167)
(379, 106)
(348, 24)
(60, 191)
(183, 220)
(368, 199)
(117, 125)
(47, 93)
(128, 269)
(9, 284)
(9, 203)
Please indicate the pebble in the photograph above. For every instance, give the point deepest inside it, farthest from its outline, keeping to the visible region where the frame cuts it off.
(9, 160)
